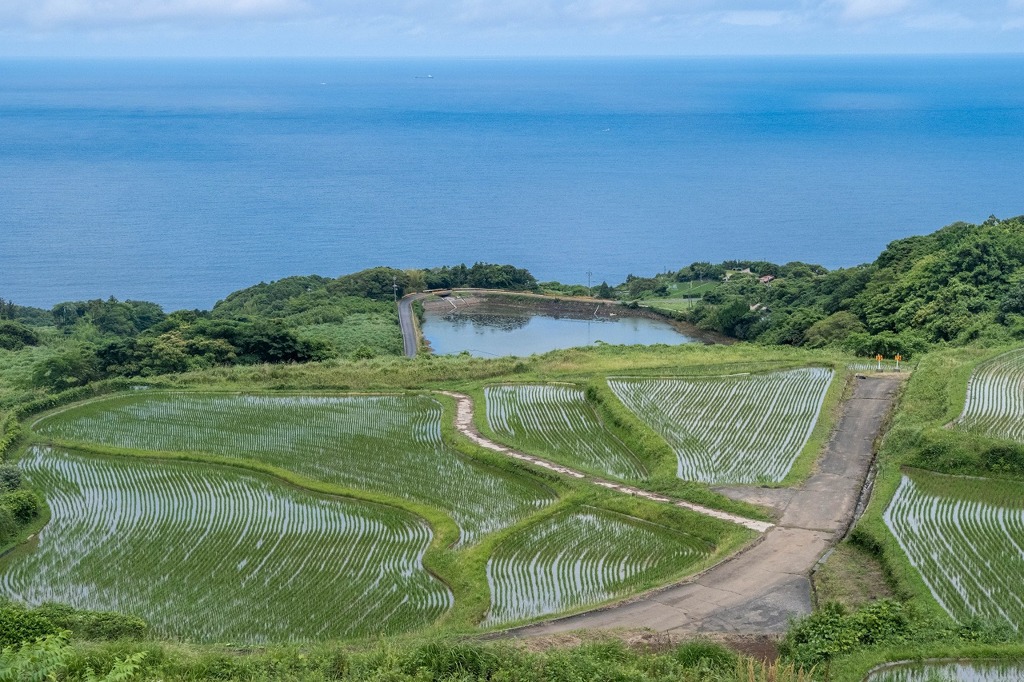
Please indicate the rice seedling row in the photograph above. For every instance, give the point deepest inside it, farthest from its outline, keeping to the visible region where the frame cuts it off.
(582, 557)
(966, 539)
(960, 671)
(556, 422)
(735, 429)
(390, 444)
(210, 554)
(995, 398)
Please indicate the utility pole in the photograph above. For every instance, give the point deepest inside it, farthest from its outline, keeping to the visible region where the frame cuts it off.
(589, 275)
(394, 286)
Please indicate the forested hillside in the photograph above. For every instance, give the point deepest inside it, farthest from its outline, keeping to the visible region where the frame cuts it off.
(960, 284)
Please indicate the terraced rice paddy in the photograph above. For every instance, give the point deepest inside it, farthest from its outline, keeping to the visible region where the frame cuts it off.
(995, 398)
(734, 429)
(966, 538)
(579, 558)
(211, 554)
(390, 444)
(556, 422)
(959, 671)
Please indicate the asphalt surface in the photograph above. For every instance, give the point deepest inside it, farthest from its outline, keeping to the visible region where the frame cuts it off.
(410, 336)
(758, 590)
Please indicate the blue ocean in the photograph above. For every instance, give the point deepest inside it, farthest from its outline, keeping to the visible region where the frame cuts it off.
(179, 182)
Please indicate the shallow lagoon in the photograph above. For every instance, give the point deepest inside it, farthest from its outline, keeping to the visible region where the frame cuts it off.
(488, 334)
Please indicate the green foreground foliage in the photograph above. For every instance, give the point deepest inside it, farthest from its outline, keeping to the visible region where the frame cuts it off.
(443, 660)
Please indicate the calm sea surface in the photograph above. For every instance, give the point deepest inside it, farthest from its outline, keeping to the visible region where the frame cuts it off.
(179, 182)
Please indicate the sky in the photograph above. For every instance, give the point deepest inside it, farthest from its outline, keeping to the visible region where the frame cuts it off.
(407, 28)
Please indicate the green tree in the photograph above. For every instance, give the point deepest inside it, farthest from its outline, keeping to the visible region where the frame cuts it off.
(833, 329)
(75, 366)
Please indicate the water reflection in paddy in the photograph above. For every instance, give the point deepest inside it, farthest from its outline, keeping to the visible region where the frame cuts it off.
(976, 671)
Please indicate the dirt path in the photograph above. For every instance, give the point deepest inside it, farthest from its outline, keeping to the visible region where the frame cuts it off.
(760, 589)
(464, 423)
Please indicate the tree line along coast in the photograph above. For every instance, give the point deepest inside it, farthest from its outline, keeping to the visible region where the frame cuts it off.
(959, 285)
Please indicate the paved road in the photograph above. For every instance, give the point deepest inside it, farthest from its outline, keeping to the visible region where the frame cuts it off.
(410, 336)
(760, 589)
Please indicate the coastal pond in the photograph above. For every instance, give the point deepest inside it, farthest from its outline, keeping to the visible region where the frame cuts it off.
(490, 329)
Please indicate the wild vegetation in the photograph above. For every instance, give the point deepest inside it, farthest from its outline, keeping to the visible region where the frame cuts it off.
(963, 283)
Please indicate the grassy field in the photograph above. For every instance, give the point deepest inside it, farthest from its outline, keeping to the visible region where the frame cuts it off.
(557, 422)
(582, 557)
(384, 443)
(211, 554)
(732, 429)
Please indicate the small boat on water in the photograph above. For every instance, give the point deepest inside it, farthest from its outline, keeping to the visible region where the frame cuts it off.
(427, 76)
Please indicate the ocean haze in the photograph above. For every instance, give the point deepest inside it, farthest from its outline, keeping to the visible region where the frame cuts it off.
(181, 181)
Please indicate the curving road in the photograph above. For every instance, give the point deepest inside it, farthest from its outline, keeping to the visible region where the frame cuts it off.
(406, 320)
(761, 588)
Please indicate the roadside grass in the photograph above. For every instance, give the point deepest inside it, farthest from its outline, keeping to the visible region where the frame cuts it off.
(673, 305)
(852, 576)
(424, 372)
(410, 659)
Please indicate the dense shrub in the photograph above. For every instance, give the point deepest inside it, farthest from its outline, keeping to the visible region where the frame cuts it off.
(832, 631)
(105, 625)
(19, 625)
(23, 504)
(15, 335)
(10, 478)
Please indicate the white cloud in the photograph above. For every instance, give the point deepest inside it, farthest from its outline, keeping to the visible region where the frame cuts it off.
(864, 10)
(756, 17)
(940, 21)
(55, 13)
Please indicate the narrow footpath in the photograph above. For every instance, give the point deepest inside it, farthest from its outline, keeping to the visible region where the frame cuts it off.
(464, 423)
(758, 590)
